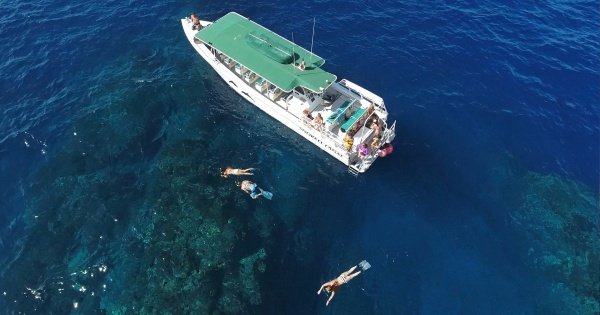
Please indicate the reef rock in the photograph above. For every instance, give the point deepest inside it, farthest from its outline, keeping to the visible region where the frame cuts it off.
(560, 220)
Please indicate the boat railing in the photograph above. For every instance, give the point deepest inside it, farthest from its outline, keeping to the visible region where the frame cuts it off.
(389, 133)
(363, 93)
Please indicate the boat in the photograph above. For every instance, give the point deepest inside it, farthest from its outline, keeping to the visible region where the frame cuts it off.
(288, 82)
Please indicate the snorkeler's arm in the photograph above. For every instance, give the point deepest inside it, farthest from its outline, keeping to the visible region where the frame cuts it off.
(321, 289)
(326, 284)
(330, 297)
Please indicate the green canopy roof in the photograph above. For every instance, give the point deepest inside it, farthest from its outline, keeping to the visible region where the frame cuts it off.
(266, 53)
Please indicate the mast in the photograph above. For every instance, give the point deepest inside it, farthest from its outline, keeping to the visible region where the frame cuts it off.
(312, 39)
(294, 52)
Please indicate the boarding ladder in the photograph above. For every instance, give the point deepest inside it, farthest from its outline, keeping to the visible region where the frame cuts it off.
(353, 170)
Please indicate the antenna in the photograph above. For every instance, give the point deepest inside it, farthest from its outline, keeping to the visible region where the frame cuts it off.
(312, 40)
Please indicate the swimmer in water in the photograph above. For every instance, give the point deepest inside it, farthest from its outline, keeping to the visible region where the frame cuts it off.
(254, 191)
(235, 171)
(334, 285)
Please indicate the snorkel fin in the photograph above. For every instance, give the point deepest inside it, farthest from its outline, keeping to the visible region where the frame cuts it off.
(267, 194)
(364, 265)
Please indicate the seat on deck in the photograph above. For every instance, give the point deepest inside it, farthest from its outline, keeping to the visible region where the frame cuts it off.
(356, 116)
(260, 84)
(249, 76)
(238, 68)
(340, 111)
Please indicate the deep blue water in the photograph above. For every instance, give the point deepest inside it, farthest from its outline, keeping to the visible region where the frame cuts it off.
(112, 130)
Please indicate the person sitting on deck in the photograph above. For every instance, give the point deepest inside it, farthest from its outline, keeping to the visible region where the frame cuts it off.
(348, 141)
(307, 114)
(318, 122)
(301, 66)
(373, 119)
(195, 22)
(235, 171)
(370, 109)
(333, 285)
(353, 130)
(363, 151)
(307, 117)
(375, 144)
(376, 129)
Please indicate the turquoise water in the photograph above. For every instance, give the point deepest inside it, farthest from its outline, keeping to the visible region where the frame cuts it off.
(113, 130)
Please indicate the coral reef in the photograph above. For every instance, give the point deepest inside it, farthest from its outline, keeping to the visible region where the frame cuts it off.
(560, 220)
(197, 241)
(136, 225)
(247, 273)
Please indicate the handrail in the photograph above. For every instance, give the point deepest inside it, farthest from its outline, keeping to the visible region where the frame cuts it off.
(365, 124)
(363, 93)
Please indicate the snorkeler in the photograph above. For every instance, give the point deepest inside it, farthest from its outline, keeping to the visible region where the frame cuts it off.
(235, 171)
(333, 285)
(251, 188)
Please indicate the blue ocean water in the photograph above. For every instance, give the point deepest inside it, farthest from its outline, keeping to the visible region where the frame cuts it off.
(112, 131)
